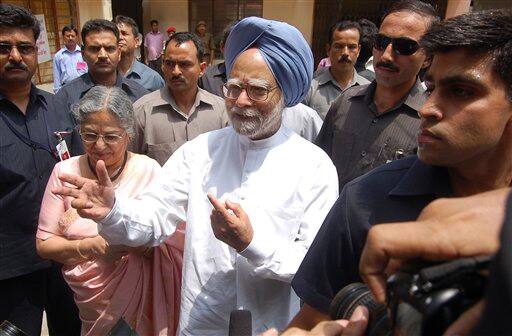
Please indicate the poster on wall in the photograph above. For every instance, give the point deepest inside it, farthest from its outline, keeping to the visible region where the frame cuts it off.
(43, 47)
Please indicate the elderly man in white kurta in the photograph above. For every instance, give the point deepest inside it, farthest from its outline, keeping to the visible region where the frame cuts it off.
(253, 195)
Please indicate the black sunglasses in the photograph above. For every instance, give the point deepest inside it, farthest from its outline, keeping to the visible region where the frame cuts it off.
(401, 45)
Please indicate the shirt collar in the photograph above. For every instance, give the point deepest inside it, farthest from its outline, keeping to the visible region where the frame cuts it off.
(423, 179)
(414, 98)
(274, 140)
(121, 82)
(219, 70)
(77, 48)
(325, 76)
(35, 94)
(136, 69)
(165, 98)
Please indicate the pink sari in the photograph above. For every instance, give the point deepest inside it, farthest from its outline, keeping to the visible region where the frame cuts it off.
(144, 290)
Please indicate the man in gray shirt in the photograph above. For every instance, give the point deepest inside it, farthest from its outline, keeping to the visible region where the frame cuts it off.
(180, 111)
(128, 65)
(370, 125)
(343, 50)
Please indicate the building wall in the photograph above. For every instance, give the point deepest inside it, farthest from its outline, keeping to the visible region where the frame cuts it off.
(94, 9)
(298, 13)
(167, 12)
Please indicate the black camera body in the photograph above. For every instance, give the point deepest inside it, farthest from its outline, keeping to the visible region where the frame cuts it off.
(422, 299)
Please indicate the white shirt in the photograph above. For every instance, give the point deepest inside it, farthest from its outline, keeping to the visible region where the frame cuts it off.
(285, 184)
(303, 120)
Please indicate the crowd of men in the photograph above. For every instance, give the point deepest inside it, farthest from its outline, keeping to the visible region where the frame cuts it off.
(279, 172)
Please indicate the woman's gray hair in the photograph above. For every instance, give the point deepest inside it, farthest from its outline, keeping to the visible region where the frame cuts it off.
(111, 99)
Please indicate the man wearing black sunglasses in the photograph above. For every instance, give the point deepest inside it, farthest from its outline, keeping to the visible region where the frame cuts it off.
(28, 118)
(373, 124)
(367, 126)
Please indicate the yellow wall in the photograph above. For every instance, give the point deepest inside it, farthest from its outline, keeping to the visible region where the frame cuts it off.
(168, 13)
(298, 13)
(94, 9)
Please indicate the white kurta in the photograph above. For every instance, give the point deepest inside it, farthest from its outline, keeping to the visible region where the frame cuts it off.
(285, 184)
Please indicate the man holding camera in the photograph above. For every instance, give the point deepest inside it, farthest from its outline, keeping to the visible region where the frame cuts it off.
(464, 149)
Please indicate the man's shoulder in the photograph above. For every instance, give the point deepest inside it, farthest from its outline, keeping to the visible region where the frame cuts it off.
(378, 183)
(59, 53)
(148, 100)
(136, 89)
(209, 98)
(73, 88)
(147, 71)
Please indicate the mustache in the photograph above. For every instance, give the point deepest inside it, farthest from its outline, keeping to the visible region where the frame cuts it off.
(344, 59)
(388, 65)
(178, 78)
(245, 112)
(16, 66)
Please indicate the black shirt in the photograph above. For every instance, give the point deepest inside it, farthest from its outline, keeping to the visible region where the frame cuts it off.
(213, 79)
(394, 192)
(69, 95)
(26, 163)
(358, 139)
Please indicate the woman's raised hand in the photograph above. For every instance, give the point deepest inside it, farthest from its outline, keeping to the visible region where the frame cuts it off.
(92, 199)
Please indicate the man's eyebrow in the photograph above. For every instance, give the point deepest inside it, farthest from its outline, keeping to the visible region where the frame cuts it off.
(258, 82)
(461, 79)
(235, 81)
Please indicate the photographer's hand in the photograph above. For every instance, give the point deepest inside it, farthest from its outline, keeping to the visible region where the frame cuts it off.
(446, 229)
(356, 326)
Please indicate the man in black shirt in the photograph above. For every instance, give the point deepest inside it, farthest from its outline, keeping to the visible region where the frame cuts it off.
(370, 125)
(463, 149)
(28, 153)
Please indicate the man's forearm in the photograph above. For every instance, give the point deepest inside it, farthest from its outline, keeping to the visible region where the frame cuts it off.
(307, 318)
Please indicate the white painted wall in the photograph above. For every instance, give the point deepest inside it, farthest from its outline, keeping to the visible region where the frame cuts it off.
(167, 12)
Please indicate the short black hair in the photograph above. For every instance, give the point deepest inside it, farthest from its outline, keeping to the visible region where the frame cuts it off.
(153, 21)
(421, 8)
(99, 25)
(488, 33)
(368, 31)
(183, 37)
(69, 27)
(12, 16)
(228, 30)
(128, 21)
(344, 25)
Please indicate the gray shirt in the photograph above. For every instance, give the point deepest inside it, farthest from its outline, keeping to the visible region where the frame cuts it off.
(325, 89)
(303, 120)
(358, 139)
(161, 127)
(145, 76)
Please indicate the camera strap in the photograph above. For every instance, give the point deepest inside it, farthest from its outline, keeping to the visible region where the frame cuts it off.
(437, 272)
(27, 141)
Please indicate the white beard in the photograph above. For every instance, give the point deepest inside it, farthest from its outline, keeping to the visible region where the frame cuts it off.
(251, 123)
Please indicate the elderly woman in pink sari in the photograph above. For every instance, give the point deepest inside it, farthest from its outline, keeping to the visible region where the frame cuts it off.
(140, 285)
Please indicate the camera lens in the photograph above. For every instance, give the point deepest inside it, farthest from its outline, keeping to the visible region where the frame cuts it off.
(9, 329)
(358, 294)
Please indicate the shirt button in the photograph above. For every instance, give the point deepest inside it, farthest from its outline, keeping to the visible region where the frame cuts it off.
(374, 121)
(40, 177)
(363, 153)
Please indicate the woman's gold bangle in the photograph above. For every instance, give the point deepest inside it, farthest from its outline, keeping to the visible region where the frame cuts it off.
(78, 250)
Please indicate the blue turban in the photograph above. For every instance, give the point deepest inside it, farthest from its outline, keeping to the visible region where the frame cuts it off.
(284, 49)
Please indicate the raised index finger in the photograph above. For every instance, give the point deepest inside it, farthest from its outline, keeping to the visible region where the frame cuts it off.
(217, 205)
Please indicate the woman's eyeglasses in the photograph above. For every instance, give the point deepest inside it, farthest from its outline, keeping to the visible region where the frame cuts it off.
(401, 45)
(111, 139)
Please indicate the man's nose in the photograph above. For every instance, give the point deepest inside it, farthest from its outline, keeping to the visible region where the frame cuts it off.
(15, 55)
(243, 99)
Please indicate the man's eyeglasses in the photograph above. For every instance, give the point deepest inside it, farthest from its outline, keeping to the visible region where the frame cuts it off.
(255, 93)
(401, 45)
(23, 49)
(110, 139)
